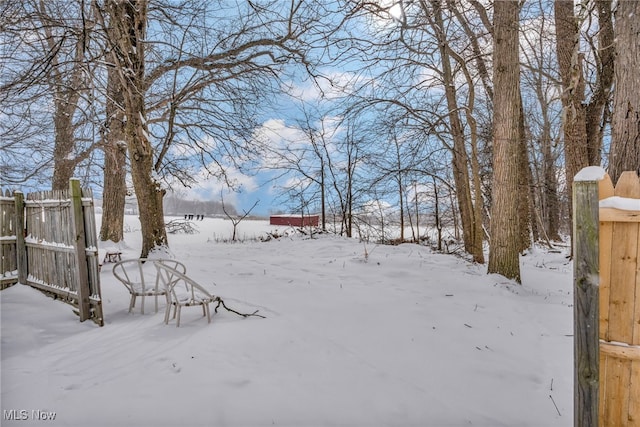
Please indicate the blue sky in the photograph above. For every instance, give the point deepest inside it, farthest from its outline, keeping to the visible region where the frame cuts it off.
(278, 129)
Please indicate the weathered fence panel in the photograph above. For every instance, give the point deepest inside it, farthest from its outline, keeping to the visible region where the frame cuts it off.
(9, 259)
(619, 323)
(56, 246)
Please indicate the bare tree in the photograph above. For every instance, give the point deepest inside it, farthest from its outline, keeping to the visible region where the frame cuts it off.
(319, 137)
(424, 55)
(127, 32)
(540, 80)
(237, 219)
(583, 122)
(472, 225)
(505, 239)
(570, 62)
(187, 86)
(47, 92)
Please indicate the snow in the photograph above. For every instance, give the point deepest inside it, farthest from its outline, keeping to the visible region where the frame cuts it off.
(622, 203)
(355, 334)
(31, 239)
(590, 173)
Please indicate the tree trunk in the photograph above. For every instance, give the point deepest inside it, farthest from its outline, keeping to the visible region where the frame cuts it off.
(323, 196)
(437, 214)
(583, 122)
(128, 23)
(505, 239)
(524, 170)
(478, 206)
(401, 205)
(115, 159)
(459, 152)
(573, 87)
(400, 187)
(349, 204)
(550, 205)
(533, 207)
(625, 143)
(478, 56)
(66, 87)
(415, 193)
(64, 161)
(595, 110)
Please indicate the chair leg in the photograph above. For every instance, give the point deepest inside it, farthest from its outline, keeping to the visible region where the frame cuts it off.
(142, 304)
(166, 294)
(166, 313)
(206, 308)
(132, 303)
(178, 319)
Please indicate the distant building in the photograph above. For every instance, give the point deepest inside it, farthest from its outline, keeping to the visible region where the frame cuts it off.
(294, 220)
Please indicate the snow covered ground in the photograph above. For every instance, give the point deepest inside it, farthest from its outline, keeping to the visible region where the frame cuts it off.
(355, 335)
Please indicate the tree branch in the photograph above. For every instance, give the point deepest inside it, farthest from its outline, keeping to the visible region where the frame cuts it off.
(221, 303)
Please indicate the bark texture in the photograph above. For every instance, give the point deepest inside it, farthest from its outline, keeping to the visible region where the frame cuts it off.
(505, 237)
(573, 88)
(625, 144)
(115, 159)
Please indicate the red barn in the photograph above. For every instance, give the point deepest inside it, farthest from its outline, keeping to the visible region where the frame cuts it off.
(294, 220)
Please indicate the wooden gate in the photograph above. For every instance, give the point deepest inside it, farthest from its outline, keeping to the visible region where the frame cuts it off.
(619, 323)
(54, 247)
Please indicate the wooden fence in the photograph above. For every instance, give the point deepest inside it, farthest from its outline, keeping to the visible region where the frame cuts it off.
(611, 369)
(8, 254)
(50, 243)
(619, 301)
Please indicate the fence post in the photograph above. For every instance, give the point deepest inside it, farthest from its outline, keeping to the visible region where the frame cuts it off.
(21, 249)
(84, 303)
(586, 305)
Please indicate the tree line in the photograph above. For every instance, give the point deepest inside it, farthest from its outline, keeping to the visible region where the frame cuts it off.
(493, 108)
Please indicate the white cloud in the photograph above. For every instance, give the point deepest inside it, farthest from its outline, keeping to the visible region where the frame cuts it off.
(333, 84)
(276, 133)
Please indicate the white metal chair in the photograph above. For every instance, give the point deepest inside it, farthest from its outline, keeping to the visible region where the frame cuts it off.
(182, 291)
(140, 277)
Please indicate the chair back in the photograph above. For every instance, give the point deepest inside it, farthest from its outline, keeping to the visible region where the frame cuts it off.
(189, 290)
(134, 273)
(141, 274)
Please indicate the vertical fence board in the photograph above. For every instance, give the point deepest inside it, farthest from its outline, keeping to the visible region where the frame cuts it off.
(605, 189)
(634, 381)
(628, 186)
(602, 398)
(77, 225)
(586, 317)
(21, 250)
(622, 296)
(8, 243)
(606, 242)
(634, 394)
(617, 391)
